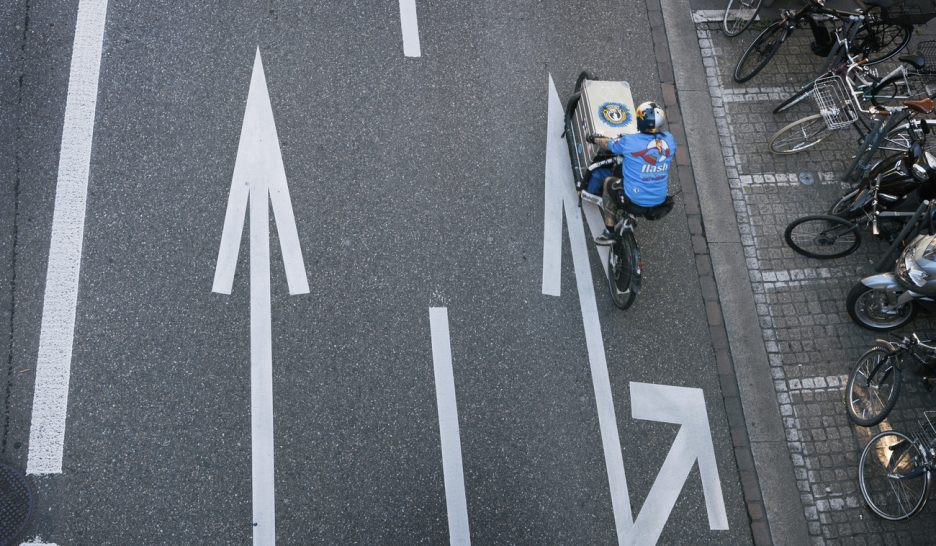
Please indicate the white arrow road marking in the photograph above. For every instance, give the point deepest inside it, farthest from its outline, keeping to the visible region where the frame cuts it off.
(259, 177)
(456, 505)
(410, 27)
(686, 407)
(560, 188)
(57, 333)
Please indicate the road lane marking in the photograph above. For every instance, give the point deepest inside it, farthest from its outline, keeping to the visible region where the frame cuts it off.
(686, 407)
(456, 504)
(57, 333)
(558, 177)
(561, 185)
(259, 178)
(410, 28)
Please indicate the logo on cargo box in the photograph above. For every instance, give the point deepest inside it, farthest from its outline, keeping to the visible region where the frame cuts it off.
(615, 114)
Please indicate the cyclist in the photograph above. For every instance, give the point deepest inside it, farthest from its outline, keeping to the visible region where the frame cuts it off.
(646, 159)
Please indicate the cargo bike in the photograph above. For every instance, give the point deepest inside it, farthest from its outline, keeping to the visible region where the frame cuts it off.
(606, 108)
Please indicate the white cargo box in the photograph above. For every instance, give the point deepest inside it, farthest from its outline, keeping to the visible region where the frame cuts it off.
(605, 108)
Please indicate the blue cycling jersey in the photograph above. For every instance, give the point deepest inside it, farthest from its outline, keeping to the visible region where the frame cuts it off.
(646, 165)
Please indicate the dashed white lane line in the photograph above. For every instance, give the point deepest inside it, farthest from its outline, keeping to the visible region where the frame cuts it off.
(452, 472)
(57, 333)
(410, 28)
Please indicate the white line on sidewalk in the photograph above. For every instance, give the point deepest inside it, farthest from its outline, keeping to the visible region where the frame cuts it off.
(455, 501)
(410, 28)
(57, 333)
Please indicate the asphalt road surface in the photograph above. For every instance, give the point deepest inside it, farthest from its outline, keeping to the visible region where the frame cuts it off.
(416, 183)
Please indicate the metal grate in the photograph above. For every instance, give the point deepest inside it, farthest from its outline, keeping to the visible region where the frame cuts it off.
(16, 504)
(834, 101)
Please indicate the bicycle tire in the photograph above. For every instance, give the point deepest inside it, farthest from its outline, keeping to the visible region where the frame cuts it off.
(739, 14)
(823, 232)
(804, 93)
(881, 41)
(875, 372)
(799, 135)
(842, 207)
(624, 271)
(890, 477)
(761, 51)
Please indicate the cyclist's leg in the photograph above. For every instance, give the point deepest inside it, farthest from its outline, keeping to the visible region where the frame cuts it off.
(610, 198)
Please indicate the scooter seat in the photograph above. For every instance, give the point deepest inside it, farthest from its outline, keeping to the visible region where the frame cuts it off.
(915, 60)
(922, 106)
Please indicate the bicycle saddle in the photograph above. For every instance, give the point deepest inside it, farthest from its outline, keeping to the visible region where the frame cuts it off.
(923, 106)
(915, 60)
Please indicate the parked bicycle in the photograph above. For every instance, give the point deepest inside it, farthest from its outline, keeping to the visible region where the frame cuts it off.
(864, 31)
(739, 14)
(902, 83)
(874, 383)
(895, 471)
(880, 203)
(881, 125)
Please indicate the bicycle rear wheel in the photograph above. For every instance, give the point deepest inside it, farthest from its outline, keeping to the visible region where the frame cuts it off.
(891, 474)
(801, 134)
(881, 41)
(624, 271)
(873, 386)
(738, 16)
(822, 236)
(760, 52)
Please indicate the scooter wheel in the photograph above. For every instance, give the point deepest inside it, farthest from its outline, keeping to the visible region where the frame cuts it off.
(869, 309)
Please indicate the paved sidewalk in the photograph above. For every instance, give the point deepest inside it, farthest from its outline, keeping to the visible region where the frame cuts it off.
(809, 340)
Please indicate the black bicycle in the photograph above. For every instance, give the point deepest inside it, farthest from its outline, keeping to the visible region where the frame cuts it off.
(864, 32)
(874, 383)
(895, 471)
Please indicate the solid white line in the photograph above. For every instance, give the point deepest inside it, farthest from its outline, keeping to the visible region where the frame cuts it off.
(601, 383)
(410, 28)
(57, 333)
(261, 368)
(455, 501)
(556, 175)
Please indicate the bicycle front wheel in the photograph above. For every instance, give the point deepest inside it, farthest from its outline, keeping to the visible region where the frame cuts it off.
(873, 386)
(800, 135)
(822, 236)
(624, 271)
(760, 52)
(738, 15)
(892, 475)
(881, 41)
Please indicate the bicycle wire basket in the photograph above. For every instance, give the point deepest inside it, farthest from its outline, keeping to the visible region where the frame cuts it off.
(834, 102)
(927, 430)
(928, 50)
(909, 12)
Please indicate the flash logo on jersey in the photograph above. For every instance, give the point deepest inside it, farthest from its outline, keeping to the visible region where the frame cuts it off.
(657, 149)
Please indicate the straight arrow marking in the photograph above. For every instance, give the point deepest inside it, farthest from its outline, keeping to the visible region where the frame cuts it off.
(560, 193)
(686, 407)
(259, 178)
